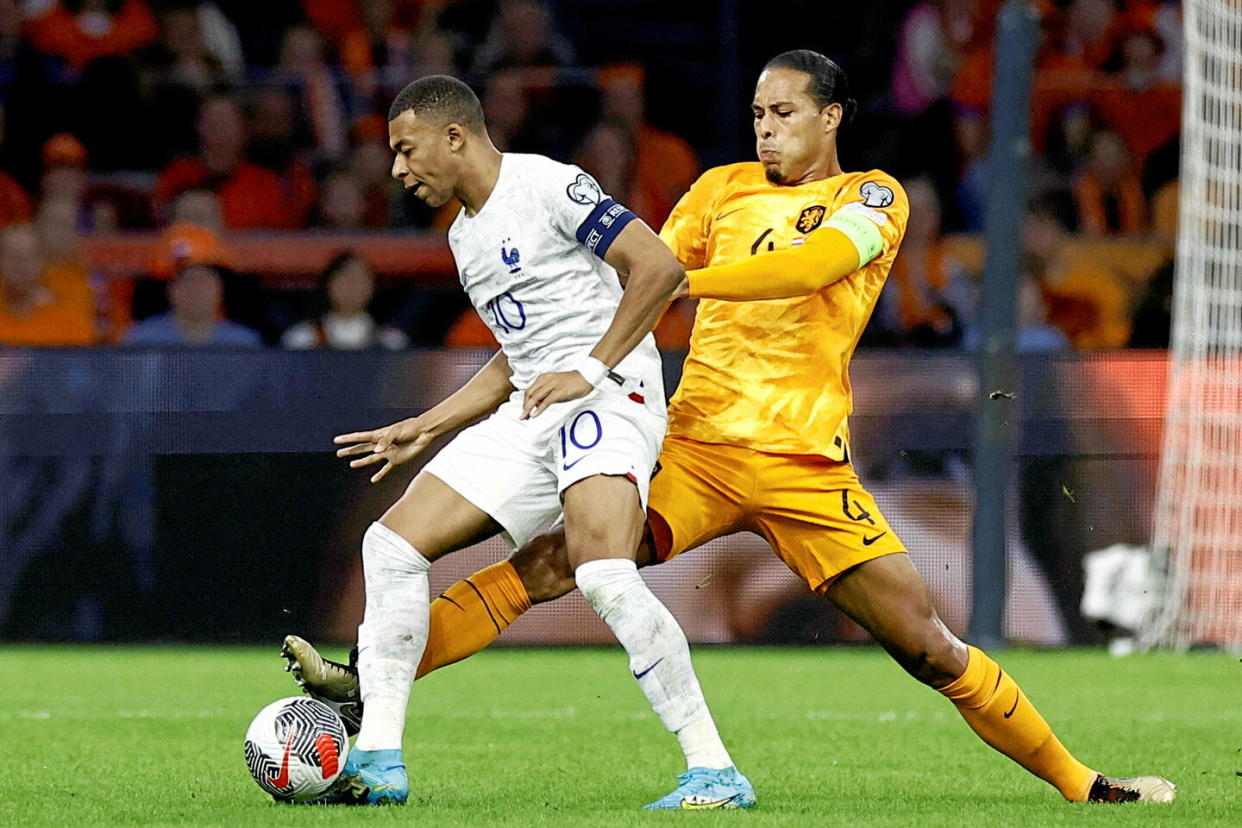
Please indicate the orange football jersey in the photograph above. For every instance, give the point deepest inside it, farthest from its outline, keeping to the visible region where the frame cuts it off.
(772, 375)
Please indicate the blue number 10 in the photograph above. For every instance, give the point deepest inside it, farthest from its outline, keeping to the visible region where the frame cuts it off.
(507, 312)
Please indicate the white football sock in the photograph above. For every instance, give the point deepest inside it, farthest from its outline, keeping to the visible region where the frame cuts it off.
(659, 655)
(392, 635)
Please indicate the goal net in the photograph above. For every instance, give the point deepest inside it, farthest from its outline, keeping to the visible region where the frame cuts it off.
(1197, 532)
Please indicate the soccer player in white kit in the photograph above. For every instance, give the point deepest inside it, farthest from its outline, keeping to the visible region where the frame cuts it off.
(575, 417)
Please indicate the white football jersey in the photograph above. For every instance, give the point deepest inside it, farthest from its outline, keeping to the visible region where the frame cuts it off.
(532, 262)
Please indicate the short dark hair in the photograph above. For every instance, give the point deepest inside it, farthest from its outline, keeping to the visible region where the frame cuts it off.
(827, 85)
(442, 100)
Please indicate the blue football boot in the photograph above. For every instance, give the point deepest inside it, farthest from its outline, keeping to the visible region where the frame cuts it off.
(704, 789)
(370, 777)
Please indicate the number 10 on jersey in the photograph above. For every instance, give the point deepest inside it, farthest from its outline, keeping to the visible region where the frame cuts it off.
(507, 313)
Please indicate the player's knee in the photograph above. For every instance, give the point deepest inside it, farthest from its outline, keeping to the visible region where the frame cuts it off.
(935, 656)
(543, 566)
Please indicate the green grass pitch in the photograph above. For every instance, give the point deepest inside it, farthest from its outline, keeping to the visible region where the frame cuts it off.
(830, 736)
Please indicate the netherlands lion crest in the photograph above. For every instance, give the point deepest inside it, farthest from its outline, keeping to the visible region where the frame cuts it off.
(810, 218)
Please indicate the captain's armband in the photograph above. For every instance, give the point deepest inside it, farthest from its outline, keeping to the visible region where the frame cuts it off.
(859, 228)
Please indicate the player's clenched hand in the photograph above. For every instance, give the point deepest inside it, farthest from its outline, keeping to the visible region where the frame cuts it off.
(553, 388)
(391, 445)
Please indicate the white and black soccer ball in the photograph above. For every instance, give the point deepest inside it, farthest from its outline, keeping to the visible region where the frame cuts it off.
(295, 748)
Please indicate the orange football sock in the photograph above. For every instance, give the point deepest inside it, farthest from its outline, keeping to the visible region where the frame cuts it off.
(471, 613)
(996, 708)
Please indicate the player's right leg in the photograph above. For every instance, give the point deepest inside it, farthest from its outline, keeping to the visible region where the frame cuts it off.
(429, 520)
(466, 618)
(604, 522)
(888, 598)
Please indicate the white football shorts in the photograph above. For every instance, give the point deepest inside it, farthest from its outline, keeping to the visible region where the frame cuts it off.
(516, 470)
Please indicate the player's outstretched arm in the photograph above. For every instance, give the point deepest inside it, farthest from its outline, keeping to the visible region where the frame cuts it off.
(651, 274)
(397, 443)
(828, 255)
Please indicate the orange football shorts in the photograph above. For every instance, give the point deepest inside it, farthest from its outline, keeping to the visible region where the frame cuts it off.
(813, 511)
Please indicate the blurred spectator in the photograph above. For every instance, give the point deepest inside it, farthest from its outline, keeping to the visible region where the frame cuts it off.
(608, 154)
(1083, 299)
(663, 165)
(179, 70)
(374, 39)
(41, 305)
(1138, 102)
(194, 237)
(200, 208)
(343, 321)
(276, 143)
(1090, 31)
(15, 206)
(56, 225)
(929, 296)
(1034, 333)
(343, 206)
(506, 108)
(195, 296)
(370, 162)
(930, 45)
(1107, 192)
(64, 170)
(522, 34)
(250, 196)
(304, 68)
(183, 55)
(433, 53)
(80, 31)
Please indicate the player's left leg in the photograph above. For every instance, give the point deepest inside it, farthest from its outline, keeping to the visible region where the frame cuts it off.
(604, 522)
(828, 529)
(888, 598)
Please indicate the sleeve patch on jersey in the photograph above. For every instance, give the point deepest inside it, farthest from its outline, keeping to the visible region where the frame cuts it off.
(860, 230)
(876, 195)
(875, 215)
(600, 229)
(584, 190)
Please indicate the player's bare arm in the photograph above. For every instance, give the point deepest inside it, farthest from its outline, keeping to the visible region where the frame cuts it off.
(650, 274)
(402, 441)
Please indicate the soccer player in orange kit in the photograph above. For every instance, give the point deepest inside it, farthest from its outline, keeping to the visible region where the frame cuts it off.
(788, 256)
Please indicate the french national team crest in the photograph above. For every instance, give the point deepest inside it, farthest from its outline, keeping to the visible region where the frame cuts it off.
(810, 218)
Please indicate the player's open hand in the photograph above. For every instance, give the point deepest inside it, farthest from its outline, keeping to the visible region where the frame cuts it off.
(391, 445)
(553, 388)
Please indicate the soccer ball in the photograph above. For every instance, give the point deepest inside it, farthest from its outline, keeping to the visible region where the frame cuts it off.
(295, 748)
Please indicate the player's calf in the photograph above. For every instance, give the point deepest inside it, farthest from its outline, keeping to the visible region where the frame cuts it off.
(543, 566)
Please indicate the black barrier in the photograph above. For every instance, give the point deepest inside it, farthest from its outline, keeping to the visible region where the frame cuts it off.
(193, 495)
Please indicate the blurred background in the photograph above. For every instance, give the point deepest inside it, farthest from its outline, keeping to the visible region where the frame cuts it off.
(206, 272)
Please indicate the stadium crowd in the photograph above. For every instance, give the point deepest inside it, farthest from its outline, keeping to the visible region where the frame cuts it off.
(202, 121)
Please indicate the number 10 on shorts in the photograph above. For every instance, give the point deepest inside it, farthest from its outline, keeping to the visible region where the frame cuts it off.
(583, 433)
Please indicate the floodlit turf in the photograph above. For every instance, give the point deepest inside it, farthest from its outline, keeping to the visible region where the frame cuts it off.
(563, 737)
